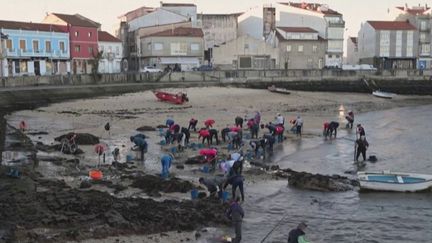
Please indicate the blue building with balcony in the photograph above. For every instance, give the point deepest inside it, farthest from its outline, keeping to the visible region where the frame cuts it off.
(33, 49)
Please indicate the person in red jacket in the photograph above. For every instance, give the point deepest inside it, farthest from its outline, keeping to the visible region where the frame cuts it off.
(205, 135)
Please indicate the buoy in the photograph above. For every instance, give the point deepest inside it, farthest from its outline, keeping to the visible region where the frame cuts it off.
(95, 175)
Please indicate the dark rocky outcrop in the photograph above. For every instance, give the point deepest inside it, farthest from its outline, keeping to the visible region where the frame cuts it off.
(151, 184)
(82, 138)
(145, 129)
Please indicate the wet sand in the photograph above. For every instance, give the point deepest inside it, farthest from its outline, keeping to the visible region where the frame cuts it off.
(128, 112)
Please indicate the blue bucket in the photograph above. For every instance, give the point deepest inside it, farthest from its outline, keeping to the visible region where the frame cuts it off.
(173, 150)
(129, 158)
(163, 142)
(230, 147)
(200, 145)
(194, 194)
(205, 169)
(225, 196)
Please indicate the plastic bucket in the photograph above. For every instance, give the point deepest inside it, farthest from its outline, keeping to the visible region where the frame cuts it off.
(194, 194)
(163, 142)
(205, 169)
(129, 158)
(173, 150)
(95, 174)
(230, 147)
(225, 196)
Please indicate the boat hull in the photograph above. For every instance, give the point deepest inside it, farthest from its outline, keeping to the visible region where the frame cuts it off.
(395, 182)
(171, 98)
(278, 90)
(384, 95)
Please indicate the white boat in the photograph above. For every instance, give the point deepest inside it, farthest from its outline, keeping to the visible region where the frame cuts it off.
(394, 181)
(278, 90)
(385, 95)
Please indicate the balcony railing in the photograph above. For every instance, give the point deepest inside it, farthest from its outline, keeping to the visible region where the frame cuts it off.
(37, 53)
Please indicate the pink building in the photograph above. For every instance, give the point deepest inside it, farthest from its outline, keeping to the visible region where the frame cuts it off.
(83, 34)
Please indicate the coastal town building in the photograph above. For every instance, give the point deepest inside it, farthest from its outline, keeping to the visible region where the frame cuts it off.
(144, 21)
(245, 52)
(300, 48)
(352, 57)
(218, 29)
(420, 17)
(261, 22)
(83, 34)
(388, 44)
(112, 53)
(182, 46)
(33, 49)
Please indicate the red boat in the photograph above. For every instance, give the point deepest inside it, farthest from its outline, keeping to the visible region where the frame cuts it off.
(178, 98)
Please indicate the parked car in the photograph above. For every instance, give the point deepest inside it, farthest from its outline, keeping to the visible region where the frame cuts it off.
(151, 69)
(203, 68)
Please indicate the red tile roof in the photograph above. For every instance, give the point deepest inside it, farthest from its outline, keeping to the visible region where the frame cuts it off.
(315, 7)
(414, 11)
(298, 29)
(353, 40)
(181, 31)
(391, 25)
(107, 37)
(77, 20)
(32, 26)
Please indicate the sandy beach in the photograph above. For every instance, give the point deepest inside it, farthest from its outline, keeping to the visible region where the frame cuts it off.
(128, 112)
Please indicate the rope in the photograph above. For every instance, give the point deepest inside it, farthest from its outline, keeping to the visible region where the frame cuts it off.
(271, 231)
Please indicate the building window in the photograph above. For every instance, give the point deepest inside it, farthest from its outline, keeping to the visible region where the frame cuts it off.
(425, 49)
(62, 46)
(90, 49)
(246, 46)
(158, 46)
(48, 46)
(288, 48)
(117, 50)
(76, 33)
(102, 48)
(9, 44)
(35, 46)
(300, 48)
(23, 67)
(89, 34)
(149, 46)
(22, 45)
(77, 48)
(17, 66)
(314, 48)
(195, 47)
(245, 62)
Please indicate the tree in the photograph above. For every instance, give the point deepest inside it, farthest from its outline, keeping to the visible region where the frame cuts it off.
(97, 56)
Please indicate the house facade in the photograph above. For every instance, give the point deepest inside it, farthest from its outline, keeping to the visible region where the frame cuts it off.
(112, 53)
(261, 22)
(245, 52)
(300, 48)
(388, 44)
(218, 29)
(352, 57)
(83, 34)
(34, 49)
(182, 46)
(420, 17)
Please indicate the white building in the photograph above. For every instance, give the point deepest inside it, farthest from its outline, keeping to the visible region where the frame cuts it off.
(329, 24)
(112, 55)
(245, 52)
(352, 51)
(388, 44)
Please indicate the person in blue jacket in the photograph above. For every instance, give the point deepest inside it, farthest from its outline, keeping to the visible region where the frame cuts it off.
(169, 122)
(166, 162)
(141, 143)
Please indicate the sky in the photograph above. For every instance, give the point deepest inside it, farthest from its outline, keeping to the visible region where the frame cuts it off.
(107, 12)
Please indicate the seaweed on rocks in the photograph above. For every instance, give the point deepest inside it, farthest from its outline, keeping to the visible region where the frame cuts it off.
(82, 138)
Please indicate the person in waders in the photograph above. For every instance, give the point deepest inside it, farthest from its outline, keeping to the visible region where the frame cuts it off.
(361, 147)
(297, 235)
(235, 213)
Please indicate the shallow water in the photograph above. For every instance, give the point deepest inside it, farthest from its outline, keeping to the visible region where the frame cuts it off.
(399, 138)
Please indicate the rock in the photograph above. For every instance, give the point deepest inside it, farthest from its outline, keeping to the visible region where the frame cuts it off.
(151, 183)
(181, 167)
(161, 126)
(85, 184)
(194, 160)
(145, 129)
(319, 182)
(202, 195)
(82, 138)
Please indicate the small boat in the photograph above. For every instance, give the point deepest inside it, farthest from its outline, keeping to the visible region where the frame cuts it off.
(394, 181)
(178, 98)
(278, 90)
(381, 94)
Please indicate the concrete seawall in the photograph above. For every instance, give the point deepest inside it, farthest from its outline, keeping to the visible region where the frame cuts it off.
(30, 92)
